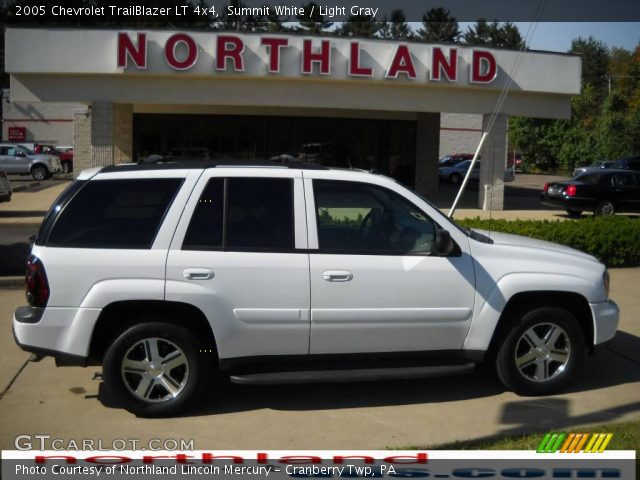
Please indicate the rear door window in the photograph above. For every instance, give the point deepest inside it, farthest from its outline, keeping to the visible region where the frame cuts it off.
(114, 214)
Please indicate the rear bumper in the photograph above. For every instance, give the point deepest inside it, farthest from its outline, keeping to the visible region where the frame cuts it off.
(63, 333)
(567, 203)
(606, 317)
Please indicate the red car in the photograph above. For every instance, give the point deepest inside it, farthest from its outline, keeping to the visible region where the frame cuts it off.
(65, 156)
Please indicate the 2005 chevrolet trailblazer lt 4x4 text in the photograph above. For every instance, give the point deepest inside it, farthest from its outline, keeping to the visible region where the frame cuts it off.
(297, 272)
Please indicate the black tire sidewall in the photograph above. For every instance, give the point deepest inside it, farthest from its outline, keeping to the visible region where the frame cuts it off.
(179, 335)
(507, 369)
(39, 168)
(455, 178)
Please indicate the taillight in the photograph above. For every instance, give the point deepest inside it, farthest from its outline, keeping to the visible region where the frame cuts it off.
(545, 189)
(570, 191)
(36, 282)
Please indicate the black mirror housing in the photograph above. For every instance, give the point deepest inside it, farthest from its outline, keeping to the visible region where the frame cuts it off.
(445, 245)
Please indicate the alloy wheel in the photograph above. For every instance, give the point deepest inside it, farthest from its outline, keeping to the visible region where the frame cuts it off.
(542, 352)
(155, 370)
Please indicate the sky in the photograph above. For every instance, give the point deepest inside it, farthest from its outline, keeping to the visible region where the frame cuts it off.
(557, 36)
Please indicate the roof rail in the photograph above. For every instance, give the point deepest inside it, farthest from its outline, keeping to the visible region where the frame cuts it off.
(173, 164)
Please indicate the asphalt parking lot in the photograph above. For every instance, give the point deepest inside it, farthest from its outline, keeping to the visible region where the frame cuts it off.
(68, 403)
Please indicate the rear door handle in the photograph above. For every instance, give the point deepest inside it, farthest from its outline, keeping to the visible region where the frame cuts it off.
(337, 276)
(197, 273)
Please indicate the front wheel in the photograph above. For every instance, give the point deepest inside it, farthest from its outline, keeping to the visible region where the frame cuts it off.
(542, 353)
(155, 369)
(455, 178)
(39, 172)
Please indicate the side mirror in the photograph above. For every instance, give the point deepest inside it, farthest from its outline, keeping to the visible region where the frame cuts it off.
(444, 243)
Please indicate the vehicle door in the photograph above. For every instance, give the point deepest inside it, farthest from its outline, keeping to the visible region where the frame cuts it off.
(376, 283)
(13, 159)
(239, 255)
(627, 191)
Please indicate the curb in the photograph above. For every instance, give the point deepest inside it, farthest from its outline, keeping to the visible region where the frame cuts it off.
(20, 188)
(11, 283)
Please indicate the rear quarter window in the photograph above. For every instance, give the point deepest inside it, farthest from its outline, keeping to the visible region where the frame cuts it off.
(114, 214)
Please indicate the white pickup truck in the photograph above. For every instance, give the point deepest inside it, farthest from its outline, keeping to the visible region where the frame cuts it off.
(291, 273)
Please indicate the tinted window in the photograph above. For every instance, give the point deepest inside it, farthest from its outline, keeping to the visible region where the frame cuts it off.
(114, 214)
(205, 229)
(361, 218)
(634, 165)
(589, 178)
(624, 180)
(259, 213)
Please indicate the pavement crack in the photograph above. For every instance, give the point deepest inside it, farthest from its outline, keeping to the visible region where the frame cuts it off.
(15, 377)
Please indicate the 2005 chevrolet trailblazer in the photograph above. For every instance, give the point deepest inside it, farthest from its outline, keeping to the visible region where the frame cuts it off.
(161, 272)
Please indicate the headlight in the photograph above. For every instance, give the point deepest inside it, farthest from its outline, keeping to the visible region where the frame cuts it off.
(606, 281)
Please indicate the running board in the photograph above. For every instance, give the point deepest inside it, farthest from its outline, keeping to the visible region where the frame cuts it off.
(353, 375)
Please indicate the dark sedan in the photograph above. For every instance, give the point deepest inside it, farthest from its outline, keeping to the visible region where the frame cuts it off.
(604, 192)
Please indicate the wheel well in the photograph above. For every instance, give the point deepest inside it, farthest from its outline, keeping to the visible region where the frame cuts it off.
(38, 165)
(520, 303)
(116, 317)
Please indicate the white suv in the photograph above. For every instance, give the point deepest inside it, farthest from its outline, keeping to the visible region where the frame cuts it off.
(163, 272)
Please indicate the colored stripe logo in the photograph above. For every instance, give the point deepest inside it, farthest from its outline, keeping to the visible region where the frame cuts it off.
(574, 442)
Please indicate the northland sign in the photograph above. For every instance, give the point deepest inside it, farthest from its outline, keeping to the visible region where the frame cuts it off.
(229, 53)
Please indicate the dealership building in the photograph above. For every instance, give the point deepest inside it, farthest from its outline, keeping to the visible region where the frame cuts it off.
(363, 103)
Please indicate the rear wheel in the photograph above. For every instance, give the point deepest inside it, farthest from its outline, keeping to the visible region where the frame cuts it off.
(605, 208)
(574, 213)
(455, 178)
(66, 167)
(155, 369)
(542, 353)
(39, 172)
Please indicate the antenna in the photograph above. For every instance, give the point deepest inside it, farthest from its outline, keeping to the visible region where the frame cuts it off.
(496, 110)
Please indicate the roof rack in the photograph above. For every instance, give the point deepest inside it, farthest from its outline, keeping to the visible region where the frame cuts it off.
(173, 164)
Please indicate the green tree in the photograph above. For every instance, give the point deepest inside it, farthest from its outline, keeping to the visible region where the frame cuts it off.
(595, 62)
(493, 34)
(312, 21)
(396, 27)
(438, 25)
(611, 129)
(360, 25)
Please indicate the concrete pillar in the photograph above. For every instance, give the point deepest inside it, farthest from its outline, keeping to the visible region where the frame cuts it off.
(103, 136)
(427, 148)
(493, 164)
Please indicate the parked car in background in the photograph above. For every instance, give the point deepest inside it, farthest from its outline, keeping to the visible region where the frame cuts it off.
(65, 156)
(515, 161)
(454, 159)
(604, 192)
(593, 167)
(455, 173)
(5, 187)
(17, 159)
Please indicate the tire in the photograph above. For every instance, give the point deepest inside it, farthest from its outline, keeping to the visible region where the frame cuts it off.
(455, 178)
(67, 167)
(39, 172)
(574, 213)
(150, 389)
(548, 368)
(605, 208)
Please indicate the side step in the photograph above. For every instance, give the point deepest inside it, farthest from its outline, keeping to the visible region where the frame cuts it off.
(353, 375)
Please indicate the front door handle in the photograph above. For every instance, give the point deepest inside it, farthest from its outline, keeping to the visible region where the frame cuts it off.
(337, 276)
(197, 273)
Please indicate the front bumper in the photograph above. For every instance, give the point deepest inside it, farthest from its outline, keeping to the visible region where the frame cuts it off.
(606, 317)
